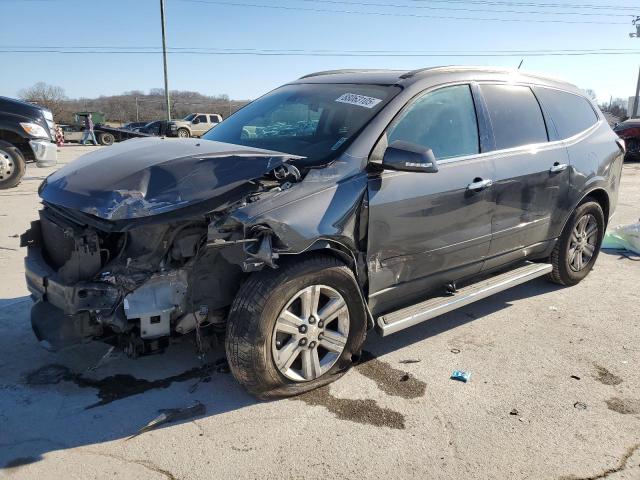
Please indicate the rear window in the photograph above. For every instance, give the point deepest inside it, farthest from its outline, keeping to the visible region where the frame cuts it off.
(570, 113)
(515, 115)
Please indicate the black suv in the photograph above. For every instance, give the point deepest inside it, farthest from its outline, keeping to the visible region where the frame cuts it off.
(26, 134)
(401, 196)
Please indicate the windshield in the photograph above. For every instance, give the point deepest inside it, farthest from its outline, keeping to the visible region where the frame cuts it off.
(189, 117)
(311, 120)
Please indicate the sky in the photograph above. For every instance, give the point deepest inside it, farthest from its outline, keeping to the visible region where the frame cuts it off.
(402, 26)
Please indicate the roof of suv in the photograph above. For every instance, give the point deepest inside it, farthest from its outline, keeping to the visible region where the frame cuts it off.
(445, 73)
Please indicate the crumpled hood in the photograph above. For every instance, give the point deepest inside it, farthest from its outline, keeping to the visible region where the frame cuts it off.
(150, 176)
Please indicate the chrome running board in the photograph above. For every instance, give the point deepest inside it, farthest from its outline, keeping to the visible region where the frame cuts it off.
(420, 312)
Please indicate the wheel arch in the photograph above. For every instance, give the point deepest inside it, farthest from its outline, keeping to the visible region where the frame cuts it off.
(335, 249)
(601, 196)
(597, 194)
(12, 139)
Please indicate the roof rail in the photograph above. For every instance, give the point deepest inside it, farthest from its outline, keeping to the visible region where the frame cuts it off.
(349, 70)
(413, 73)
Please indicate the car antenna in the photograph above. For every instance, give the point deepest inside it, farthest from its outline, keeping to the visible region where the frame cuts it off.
(520, 64)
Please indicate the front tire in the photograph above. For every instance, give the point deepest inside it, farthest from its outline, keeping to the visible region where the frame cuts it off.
(12, 165)
(296, 328)
(183, 133)
(578, 247)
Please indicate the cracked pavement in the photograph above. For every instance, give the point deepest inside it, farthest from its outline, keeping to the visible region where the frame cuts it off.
(396, 415)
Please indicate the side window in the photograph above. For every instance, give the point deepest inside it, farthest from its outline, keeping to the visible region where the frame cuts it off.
(443, 120)
(202, 118)
(571, 113)
(213, 118)
(515, 115)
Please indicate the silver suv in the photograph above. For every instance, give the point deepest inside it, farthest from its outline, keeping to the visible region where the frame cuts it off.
(194, 125)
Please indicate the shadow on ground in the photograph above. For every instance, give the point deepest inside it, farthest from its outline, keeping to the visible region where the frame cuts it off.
(53, 401)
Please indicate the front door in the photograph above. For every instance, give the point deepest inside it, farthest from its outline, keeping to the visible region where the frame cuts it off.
(531, 175)
(427, 229)
(198, 129)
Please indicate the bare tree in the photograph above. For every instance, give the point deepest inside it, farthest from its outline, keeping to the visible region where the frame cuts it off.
(591, 94)
(49, 96)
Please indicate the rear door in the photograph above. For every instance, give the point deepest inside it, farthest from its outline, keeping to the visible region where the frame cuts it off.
(427, 229)
(531, 173)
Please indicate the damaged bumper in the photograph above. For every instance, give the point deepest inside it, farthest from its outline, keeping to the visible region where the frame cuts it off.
(60, 316)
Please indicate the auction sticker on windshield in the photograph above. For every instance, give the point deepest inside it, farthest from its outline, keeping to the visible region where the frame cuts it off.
(361, 100)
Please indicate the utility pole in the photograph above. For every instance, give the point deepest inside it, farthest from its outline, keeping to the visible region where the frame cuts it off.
(164, 58)
(635, 99)
(636, 23)
(137, 110)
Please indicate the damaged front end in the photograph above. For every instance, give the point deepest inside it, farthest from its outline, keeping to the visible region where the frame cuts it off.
(166, 258)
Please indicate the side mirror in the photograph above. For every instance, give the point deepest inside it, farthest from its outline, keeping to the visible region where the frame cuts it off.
(196, 121)
(409, 157)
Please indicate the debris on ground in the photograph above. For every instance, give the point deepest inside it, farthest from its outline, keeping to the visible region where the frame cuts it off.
(171, 415)
(514, 411)
(410, 360)
(580, 406)
(106, 357)
(623, 237)
(460, 376)
(575, 377)
(553, 309)
(455, 350)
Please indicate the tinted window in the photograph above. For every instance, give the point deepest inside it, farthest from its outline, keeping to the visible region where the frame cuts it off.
(443, 120)
(213, 118)
(202, 118)
(515, 115)
(571, 114)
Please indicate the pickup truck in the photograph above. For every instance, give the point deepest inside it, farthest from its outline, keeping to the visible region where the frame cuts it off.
(194, 125)
(26, 135)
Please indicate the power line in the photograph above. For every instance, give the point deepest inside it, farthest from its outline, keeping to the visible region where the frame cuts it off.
(533, 4)
(428, 7)
(406, 15)
(336, 53)
(139, 48)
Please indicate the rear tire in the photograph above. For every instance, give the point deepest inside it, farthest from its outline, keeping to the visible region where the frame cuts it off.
(107, 139)
(578, 247)
(257, 342)
(12, 165)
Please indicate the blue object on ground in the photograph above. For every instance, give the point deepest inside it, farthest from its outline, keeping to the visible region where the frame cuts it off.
(461, 376)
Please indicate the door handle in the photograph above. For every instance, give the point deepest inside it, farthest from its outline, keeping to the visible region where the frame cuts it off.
(558, 167)
(479, 184)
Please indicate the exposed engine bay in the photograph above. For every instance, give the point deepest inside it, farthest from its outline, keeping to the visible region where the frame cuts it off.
(135, 280)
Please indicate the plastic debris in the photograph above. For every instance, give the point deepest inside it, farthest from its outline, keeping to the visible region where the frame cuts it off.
(171, 415)
(575, 377)
(455, 350)
(623, 237)
(580, 406)
(514, 411)
(553, 309)
(461, 376)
